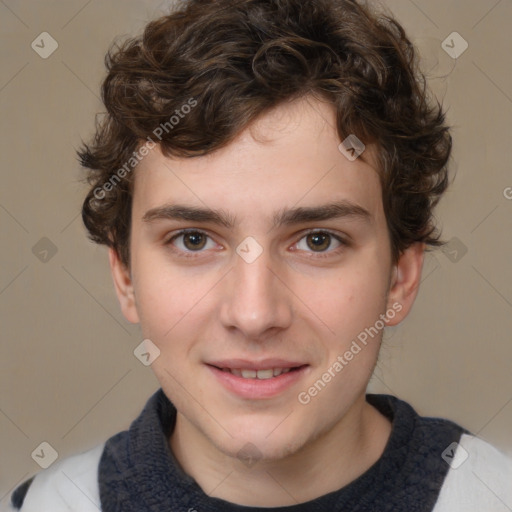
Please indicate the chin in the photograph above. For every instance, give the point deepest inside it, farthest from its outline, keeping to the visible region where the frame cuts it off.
(258, 445)
(251, 453)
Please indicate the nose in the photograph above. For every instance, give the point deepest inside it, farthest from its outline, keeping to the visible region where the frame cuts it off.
(256, 301)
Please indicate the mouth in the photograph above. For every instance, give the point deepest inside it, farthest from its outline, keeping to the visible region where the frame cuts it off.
(263, 374)
(261, 380)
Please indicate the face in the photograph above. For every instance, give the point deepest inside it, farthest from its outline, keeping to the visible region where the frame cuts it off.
(272, 253)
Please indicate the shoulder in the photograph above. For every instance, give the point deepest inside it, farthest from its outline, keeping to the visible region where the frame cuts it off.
(69, 484)
(479, 478)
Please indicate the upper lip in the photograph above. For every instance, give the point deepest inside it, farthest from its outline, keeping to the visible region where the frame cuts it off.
(264, 364)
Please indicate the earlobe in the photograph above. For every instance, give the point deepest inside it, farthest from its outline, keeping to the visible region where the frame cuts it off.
(124, 287)
(405, 282)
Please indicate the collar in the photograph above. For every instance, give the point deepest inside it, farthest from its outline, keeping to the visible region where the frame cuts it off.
(139, 473)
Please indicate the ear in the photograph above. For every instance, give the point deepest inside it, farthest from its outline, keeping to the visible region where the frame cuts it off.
(124, 287)
(405, 282)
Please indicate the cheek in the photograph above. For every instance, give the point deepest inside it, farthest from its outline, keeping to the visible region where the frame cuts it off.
(163, 296)
(168, 306)
(350, 302)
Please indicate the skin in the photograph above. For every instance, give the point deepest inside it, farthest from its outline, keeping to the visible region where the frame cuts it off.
(295, 301)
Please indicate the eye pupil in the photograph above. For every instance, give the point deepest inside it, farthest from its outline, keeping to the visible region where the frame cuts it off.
(319, 241)
(194, 241)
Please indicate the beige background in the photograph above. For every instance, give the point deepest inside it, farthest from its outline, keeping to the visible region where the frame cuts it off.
(68, 375)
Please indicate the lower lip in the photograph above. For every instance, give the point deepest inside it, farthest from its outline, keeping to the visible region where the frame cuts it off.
(258, 388)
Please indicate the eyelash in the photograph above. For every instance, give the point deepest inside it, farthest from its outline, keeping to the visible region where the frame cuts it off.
(194, 254)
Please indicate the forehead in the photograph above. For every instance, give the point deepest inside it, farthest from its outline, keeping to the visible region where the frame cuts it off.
(287, 157)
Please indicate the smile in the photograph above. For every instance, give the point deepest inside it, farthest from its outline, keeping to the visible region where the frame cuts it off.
(257, 374)
(263, 382)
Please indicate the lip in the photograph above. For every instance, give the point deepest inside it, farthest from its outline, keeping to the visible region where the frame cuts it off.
(263, 364)
(254, 389)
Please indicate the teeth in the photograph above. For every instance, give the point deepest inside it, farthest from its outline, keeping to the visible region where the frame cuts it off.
(257, 374)
(265, 374)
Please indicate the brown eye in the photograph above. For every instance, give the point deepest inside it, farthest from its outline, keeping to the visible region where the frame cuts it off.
(319, 241)
(194, 241)
(191, 241)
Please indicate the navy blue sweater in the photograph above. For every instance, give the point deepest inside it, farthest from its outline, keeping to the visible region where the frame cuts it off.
(138, 472)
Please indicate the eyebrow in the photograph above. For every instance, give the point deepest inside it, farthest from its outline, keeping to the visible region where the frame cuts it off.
(285, 217)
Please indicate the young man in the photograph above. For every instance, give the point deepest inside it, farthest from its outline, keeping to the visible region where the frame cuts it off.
(265, 179)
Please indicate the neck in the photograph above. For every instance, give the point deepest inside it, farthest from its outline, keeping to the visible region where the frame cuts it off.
(323, 465)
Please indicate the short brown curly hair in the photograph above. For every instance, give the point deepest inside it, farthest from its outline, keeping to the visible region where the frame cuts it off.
(238, 59)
